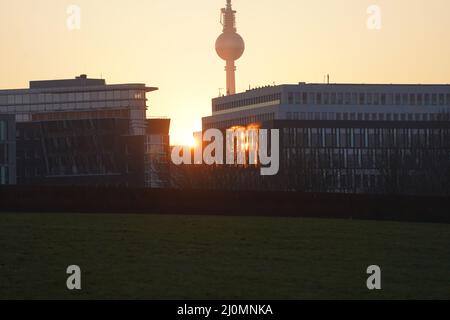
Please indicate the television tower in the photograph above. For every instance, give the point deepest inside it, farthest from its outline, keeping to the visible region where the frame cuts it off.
(229, 45)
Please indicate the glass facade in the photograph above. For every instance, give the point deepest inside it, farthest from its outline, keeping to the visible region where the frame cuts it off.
(7, 150)
(78, 132)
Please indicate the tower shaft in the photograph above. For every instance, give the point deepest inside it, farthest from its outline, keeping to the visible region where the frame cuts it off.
(230, 69)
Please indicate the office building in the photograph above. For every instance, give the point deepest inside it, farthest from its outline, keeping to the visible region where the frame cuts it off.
(80, 132)
(355, 138)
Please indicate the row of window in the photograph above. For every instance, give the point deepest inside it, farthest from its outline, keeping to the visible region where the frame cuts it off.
(244, 121)
(366, 138)
(347, 98)
(43, 98)
(342, 180)
(276, 97)
(74, 115)
(372, 116)
(23, 112)
(370, 159)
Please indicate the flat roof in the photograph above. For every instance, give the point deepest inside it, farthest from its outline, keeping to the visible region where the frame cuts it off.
(80, 83)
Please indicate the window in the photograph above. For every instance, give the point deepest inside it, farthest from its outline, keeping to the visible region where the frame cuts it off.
(124, 94)
(333, 98)
(4, 175)
(376, 99)
(419, 99)
(94, 96)
(398, 99)
(319, 98)
(18, 99)
(390, 99)
(427, 99)
(340, 98)
(347, 98)
(3, 130)
(290, 98)
(362, 99)
(305, 98)
(412, 99)
(434, 99)
(405, 99)
(311, 98)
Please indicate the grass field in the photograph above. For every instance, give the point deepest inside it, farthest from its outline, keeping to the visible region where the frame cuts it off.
(193, 257)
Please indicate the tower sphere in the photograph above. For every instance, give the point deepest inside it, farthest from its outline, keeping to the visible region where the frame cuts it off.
(230, 46)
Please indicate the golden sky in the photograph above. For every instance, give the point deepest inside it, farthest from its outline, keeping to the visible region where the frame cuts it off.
(170, 44)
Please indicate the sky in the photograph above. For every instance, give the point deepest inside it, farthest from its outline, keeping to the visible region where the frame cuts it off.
(170, 44)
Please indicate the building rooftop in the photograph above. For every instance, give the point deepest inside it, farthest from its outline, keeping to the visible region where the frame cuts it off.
(79, 83)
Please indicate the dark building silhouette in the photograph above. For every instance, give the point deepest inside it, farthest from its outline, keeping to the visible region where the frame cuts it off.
(157, 159)
(83, 132)
(344, 137)
(7, 149)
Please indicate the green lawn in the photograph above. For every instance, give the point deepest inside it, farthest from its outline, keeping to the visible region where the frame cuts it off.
(193, 257)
